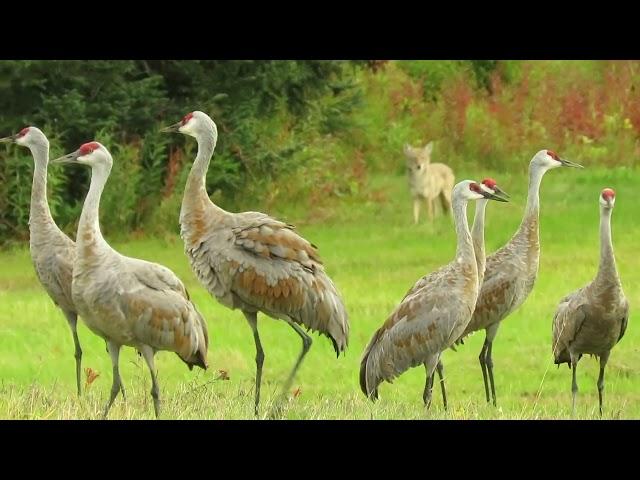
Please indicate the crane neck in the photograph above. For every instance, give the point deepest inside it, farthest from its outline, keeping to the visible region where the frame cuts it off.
(89, 233)
(464, 248)
(528, 233)
(533, 196)
(198, 175)
(195, 194)
(39, 209)
(477, 235)
(607, 270)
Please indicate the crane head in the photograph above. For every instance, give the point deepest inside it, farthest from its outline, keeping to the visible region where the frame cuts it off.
(548, 159)
(192, 124)
(27, 137)
(472, 190)
(607, 197)
(90, 153)
(492, 185)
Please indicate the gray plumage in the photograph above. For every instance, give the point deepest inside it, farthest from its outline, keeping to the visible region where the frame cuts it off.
(432, 315)
(511, 272)
(52, 251)
(593, 319)
(255, 263)
(128, 301)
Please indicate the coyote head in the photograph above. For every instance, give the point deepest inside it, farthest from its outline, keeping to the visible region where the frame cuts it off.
(418, 158)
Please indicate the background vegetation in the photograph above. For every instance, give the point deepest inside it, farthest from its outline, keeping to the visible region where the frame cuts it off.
(301, 133)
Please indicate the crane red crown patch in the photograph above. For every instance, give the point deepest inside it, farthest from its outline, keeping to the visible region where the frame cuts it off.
(186, 118)
(489, 182)
(87, 148)
(608, 193)
(553, 154)
(23, 132)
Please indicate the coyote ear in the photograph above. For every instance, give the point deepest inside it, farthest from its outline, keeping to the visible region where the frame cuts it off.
(407, 149)
(428, 148)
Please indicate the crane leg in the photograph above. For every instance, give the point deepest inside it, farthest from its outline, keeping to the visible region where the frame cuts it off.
(483, 366)
(306, 345)
(430, 368)
(116, 385)
(486, 362)
(574, 383)
(603, 363)
(489, 361)
(252, 318)
(72, 318)
(147, 353)
(428, 388)
(124, 394)
(440, 370)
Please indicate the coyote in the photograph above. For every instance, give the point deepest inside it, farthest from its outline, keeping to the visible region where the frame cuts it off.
(428, 180)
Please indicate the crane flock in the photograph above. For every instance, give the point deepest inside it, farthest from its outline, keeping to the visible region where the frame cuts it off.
(255, 263)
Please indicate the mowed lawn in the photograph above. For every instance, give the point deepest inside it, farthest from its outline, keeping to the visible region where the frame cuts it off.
(374, 254)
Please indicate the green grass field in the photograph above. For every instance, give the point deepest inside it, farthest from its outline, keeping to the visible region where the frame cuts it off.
(374, 254)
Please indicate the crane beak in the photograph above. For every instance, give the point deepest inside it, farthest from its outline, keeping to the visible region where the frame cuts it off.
(69, 158)
(501, 192)
(567, 163)
(493, 196)
(10, 139)
(172, 128)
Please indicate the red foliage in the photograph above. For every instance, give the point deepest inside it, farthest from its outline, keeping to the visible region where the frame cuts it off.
(407, 98)
(173, 169)
(548, 105)
(576, 113)
(375, 65)
(457, 95)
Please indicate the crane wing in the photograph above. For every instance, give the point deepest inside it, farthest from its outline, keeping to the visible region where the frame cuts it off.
(165, 318)
(420, 327)
(55, 272)
(275, 270)
(496, 299)
(264, 236)
(567, 322)
(625, 319)
(156, 276)
(422, 282)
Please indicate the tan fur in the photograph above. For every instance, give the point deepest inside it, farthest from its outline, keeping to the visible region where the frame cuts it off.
(428, 181)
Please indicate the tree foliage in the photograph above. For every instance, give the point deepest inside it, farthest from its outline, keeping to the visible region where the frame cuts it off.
(124, 103)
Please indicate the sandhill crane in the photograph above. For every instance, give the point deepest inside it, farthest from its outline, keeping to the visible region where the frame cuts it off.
(127, 301)
(433, 316)
(52, 252)
(594, 318)
(511, 271)
(254, 262)
(477, 237)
